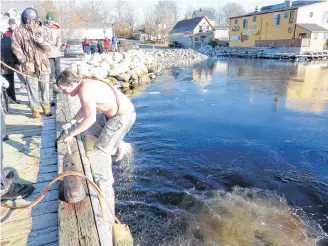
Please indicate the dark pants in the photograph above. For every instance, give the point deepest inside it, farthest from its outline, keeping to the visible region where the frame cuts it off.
(3, 179)
(11, 89)
(52, 78)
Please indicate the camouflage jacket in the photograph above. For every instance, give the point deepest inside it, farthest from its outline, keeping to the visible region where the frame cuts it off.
(32, 55)
(55, 41)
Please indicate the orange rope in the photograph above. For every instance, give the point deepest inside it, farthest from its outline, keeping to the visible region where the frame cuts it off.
(15, 70)
(59, 176)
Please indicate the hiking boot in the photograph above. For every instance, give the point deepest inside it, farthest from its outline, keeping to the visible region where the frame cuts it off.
(10, 175)
(17, 191)
(46, 110)
(36, 113)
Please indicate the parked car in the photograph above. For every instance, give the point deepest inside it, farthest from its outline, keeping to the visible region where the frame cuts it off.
(73, 48)
(174, 44)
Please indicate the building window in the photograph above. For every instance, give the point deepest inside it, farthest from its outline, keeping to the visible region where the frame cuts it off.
(236, 21)
(315, 35)
(207, 28)
(311, 14)
(254, 18)
(325, 18)
(246, 37)
(245, 23)
(196, 39)
(291, 17)
(286, 14)
(325, 35)
(200, 29)
(302, 35)
(276, 19)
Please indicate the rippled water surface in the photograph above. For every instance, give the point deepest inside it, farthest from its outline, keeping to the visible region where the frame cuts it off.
(232, 152)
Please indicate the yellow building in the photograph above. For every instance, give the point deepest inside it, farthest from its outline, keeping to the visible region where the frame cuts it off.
(293, 24)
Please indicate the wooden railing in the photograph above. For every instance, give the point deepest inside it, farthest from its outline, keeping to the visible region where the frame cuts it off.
(304, 42)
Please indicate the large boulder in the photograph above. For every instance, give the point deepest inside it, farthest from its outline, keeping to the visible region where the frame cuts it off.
(123, 67)
(134, 74)
(112, 80)
(138, 71)
(143, 67)
(117, 57)
(123, 77)
(99, 72)
(144, 79)
(125, 84)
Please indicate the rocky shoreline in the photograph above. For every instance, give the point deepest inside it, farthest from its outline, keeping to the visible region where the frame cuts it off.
(128, 70)
(260, 53)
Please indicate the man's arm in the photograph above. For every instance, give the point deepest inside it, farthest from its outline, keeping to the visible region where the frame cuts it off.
(78, 116)
(17, 48)
(89, 110)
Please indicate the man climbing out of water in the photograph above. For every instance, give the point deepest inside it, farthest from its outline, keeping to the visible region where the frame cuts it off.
(107, 129)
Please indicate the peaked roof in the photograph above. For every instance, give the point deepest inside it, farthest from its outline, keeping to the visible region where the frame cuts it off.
(187, 25)
(279, 7)
(204, 12)
(313, 27)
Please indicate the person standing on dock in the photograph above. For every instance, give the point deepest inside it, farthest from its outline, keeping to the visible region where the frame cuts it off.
(9, 58)
(31, 45)
(55, 40)
(116, 113)
(9, 189)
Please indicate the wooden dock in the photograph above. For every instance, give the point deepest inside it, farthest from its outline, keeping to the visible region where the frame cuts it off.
(31, 153)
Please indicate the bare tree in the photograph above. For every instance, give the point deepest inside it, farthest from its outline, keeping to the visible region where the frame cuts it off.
(230, 10)
(166, 15)
(123, 15)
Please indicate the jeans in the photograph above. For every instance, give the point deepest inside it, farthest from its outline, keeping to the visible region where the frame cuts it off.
(33, 86)
(3, 180)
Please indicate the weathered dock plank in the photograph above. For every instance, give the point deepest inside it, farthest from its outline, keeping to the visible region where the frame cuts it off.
(76, 221)
(30, 153)
(97, 167)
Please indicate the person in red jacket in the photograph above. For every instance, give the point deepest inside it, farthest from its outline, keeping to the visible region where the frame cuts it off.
(86, 46)
(106, 45)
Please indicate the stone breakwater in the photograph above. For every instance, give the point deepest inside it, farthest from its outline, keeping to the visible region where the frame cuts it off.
(264, 53)
(133, 68)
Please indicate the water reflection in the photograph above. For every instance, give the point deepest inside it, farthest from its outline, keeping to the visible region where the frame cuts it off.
(308, 90)
(302, 87)
(239, 165)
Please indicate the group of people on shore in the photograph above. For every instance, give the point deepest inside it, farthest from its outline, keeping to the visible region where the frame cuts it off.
(31, 48)
(91, 47)
(106, 114)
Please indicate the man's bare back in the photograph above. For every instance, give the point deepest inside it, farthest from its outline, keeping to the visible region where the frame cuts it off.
(104, 97)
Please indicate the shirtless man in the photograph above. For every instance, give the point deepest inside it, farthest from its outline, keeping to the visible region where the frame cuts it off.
(108, 128)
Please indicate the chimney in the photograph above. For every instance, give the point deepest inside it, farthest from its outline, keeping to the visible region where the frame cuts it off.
(288, 3)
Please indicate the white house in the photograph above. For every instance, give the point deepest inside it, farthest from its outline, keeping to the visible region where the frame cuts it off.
(221, 33)
(205, 12)
(193, 33)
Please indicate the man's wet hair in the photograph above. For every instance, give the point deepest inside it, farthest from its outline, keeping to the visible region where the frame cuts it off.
(67, 77)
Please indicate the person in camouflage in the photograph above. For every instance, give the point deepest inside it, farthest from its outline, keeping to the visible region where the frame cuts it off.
(31, 45)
